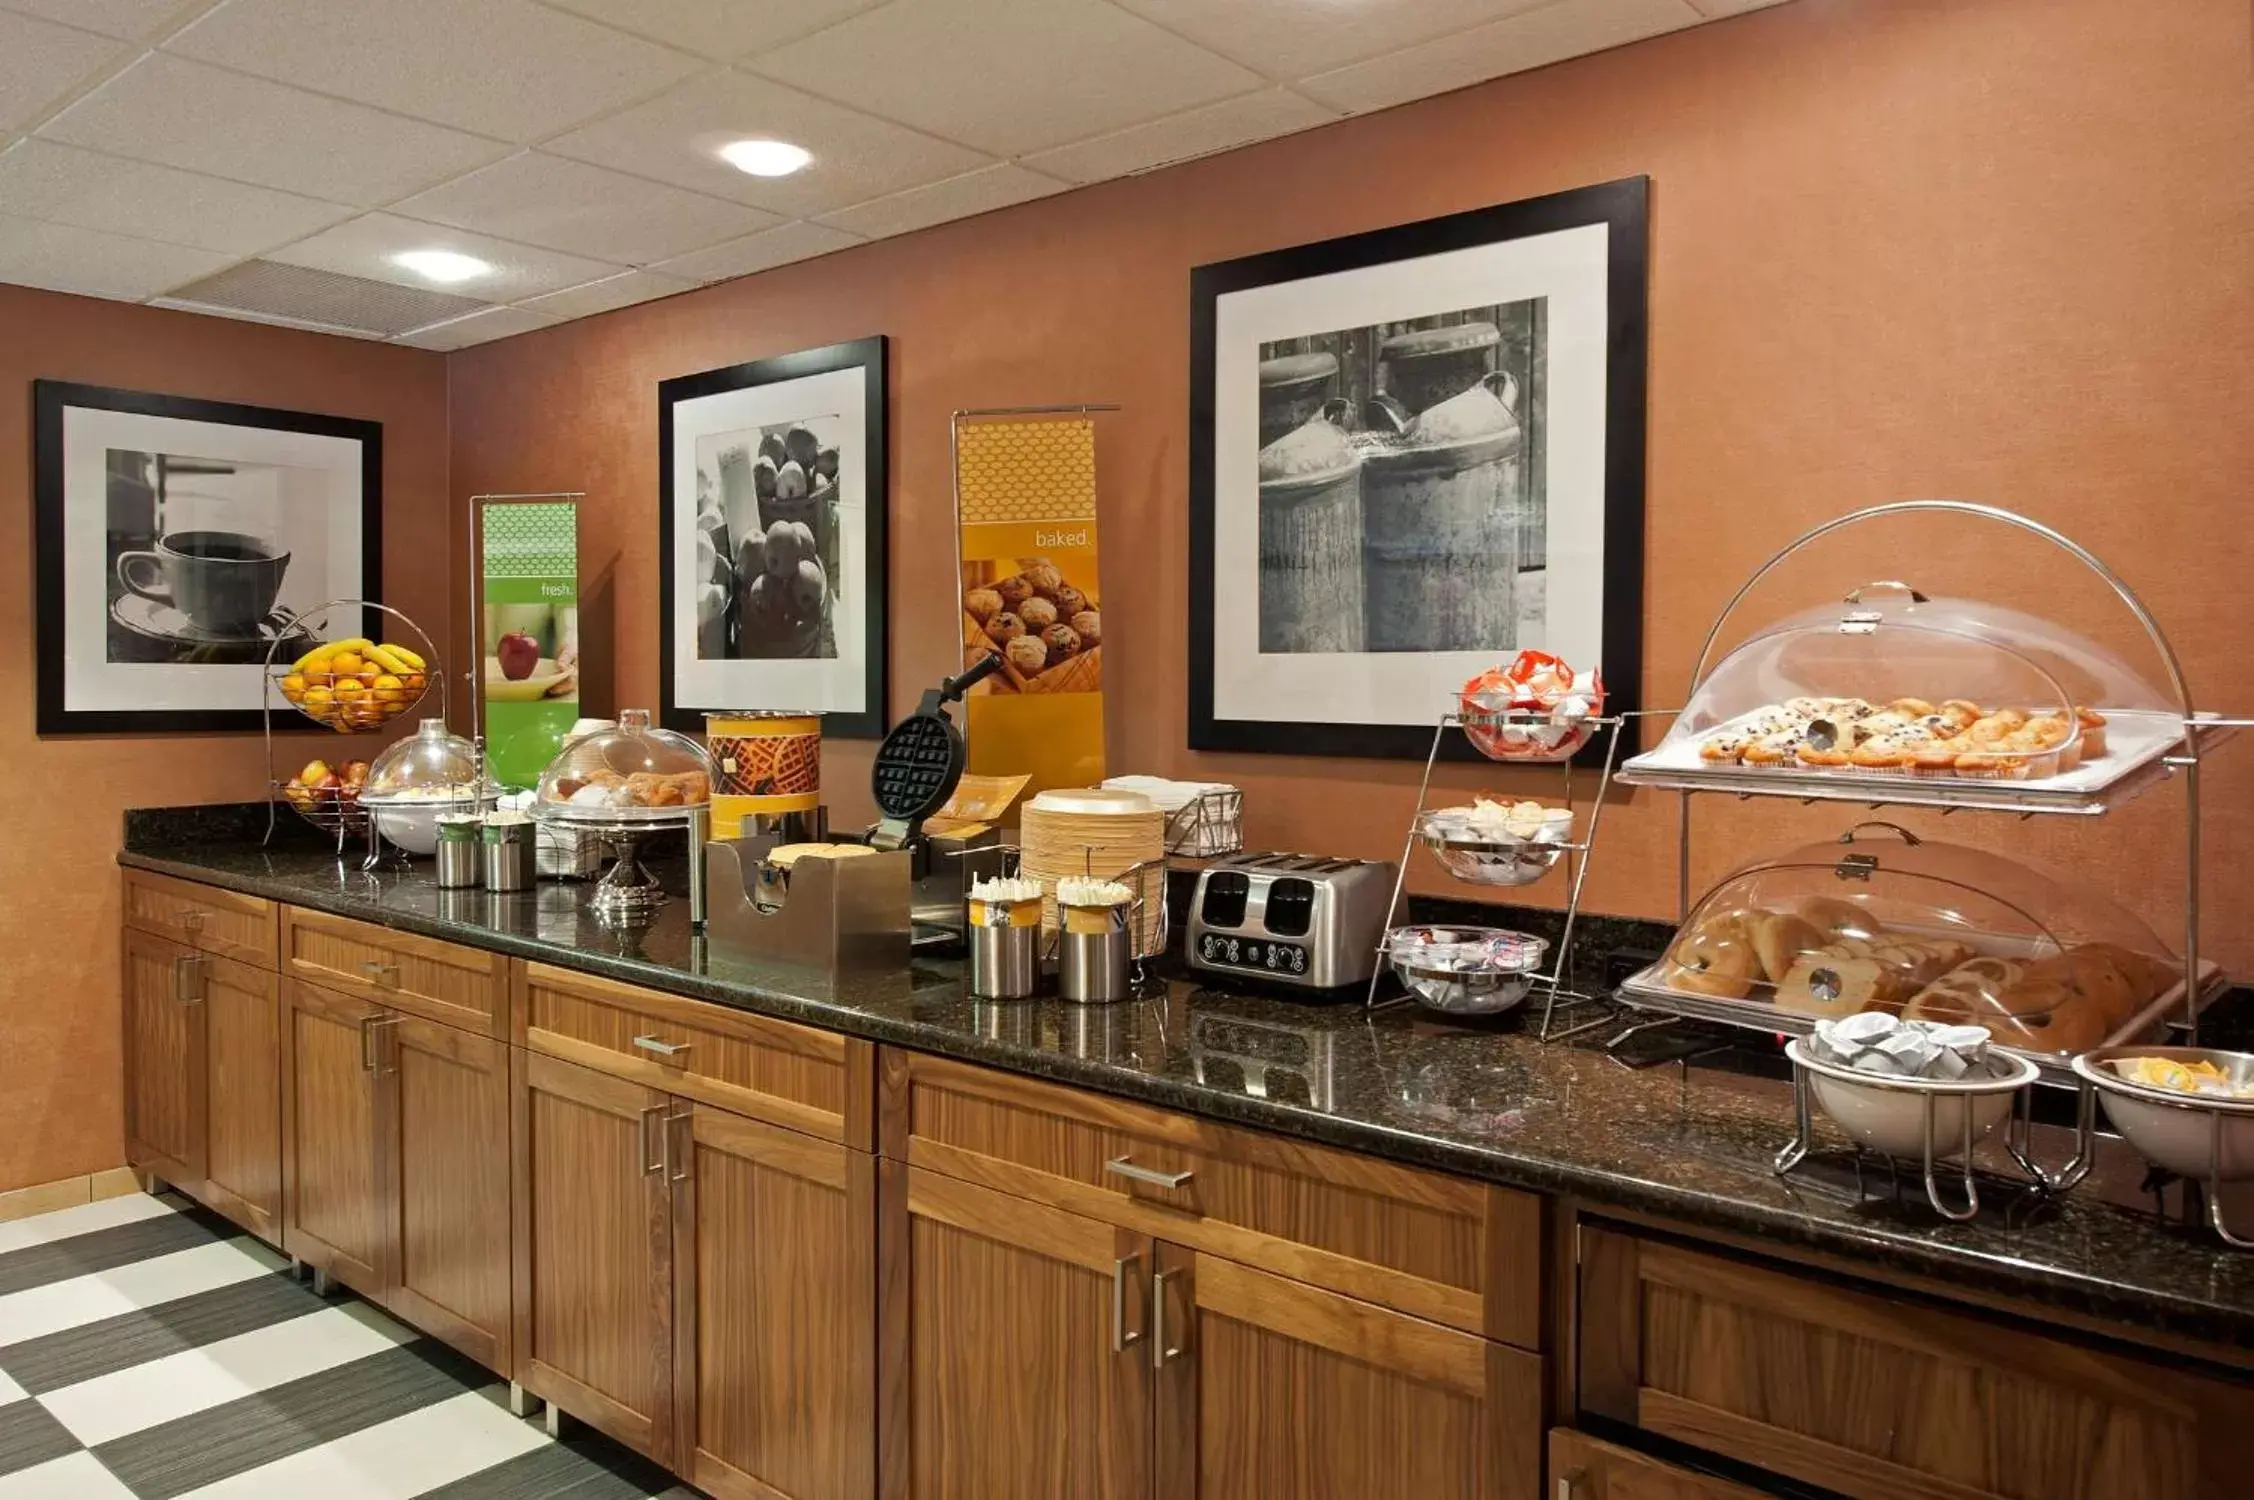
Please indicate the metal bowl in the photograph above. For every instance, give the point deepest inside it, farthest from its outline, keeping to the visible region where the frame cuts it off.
(1888, 1114)
(1465, 971)
(2178, 1131)
(1502, 861)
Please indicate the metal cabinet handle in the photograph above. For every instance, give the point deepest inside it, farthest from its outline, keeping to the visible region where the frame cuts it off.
(652, 1167)
(1120, 1166)
(1569, 1485)
(192, 921)
(386, 1024)
(1121, 1335)
(368, 1041)
(661, 1046)
(188, 979)
(678, 1168)
(1160, 1353)
(377, 971)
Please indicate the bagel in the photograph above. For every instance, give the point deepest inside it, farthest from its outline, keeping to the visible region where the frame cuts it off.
(1714, 957)
(1779, 938)
(1836, 918)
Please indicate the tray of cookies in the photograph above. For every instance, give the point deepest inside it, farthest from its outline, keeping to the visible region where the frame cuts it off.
(1881, 920)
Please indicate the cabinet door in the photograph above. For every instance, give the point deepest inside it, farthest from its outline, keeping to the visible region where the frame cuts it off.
(1269, 1389)
(594, 1250)
(332, 1201)
(1586, 1469)
(774, 1325)
(445, 1103)
(164, 1058)
(243, 1046)
(1025, 1372)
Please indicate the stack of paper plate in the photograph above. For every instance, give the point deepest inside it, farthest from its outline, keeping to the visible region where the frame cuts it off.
(1102, 833)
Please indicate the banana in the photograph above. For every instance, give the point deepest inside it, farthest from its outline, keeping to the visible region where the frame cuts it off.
(414, 662)
(388, 658)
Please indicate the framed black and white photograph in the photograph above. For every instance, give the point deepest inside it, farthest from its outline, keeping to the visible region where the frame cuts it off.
(1414, 453)
(178, 541)
(771, 480)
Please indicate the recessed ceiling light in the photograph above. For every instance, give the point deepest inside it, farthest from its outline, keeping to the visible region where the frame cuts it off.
(765, 158)
(443, 266)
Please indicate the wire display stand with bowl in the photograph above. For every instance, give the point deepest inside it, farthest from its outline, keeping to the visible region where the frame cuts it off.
(351, 686)
(1486, 971)
(2043, 723)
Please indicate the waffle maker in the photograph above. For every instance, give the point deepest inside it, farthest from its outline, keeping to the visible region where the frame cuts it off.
(921, 760)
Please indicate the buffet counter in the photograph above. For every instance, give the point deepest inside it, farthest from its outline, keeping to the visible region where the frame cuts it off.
(872, 1239)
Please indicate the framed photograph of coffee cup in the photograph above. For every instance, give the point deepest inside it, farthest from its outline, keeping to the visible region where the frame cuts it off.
(178, 543)
(1415, 453)
(771, 539)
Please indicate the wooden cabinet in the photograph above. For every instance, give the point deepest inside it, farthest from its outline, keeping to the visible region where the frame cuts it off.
(443, 1125)
(1585, 1469)
(594, 1250)
(1878, 1395)
(465, 988)
(1043, 1352)
(242, 1022)
(225, 924)
(774, 1324)
(165, 1068)
(332, 1208)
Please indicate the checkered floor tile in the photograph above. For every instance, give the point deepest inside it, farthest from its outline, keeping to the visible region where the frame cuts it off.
(150, 1350)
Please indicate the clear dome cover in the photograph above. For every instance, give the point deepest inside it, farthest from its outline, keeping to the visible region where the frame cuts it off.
(431, 765)
(1880, 920)
(632, 772)
(1893, 684)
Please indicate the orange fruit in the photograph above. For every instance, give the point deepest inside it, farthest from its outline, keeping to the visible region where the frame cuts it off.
(413, 682)
(386, 683)
(348, 689)
(318, 697)
(345, 663)
(293, 685)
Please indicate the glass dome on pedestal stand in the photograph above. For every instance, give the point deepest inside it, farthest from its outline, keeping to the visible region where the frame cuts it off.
(626, 784)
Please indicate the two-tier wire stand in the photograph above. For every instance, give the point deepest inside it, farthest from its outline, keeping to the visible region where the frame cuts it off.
(2200, 733)
(340, 817)
(1511, 862)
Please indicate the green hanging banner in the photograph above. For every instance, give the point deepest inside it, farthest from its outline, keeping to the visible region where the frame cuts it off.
(530, 633)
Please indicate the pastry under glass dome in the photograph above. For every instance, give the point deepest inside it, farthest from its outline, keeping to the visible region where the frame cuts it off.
(633, 774)
(1879, 919)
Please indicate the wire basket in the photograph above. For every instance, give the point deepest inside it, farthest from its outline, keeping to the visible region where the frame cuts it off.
(333, 810)
(1209, 824)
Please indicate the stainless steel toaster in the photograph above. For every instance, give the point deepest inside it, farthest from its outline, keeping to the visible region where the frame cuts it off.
(1302, 920)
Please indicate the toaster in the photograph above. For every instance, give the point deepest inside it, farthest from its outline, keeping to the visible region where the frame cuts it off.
(1301, 920)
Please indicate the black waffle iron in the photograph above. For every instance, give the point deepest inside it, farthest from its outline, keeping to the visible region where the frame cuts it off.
(921, 761)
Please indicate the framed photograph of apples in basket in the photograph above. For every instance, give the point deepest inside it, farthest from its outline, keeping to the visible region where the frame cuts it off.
(771, 525)
(1416, 455)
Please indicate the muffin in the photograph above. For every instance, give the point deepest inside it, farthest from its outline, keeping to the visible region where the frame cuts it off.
(1069, 601)
(1014, 591)
(1063, 642)
(1037, 613)
(1091, 627)
(983, 604)
(1028, 655)
(1004, 628)
(1044, 579)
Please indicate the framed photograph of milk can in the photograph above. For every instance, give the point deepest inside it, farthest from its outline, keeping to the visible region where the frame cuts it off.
(177, 543)
(771, 551)
(1415, 453)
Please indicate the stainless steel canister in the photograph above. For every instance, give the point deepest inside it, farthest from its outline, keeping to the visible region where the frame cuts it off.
(1092, 962)
(1005, 962)
(508, 856)
(457, 851)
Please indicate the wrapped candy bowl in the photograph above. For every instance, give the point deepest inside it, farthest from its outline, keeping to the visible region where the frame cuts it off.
(1536, 710)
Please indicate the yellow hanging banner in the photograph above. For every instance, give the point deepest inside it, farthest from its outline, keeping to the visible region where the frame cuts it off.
(1027, 490)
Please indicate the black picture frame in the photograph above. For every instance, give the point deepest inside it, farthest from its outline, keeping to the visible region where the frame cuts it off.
(51, 400)
(870, 356)
(1622, 206)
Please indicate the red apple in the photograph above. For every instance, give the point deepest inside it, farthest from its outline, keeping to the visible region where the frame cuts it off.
(519, 655)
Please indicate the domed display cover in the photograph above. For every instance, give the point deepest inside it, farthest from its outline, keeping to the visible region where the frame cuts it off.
(431, 765)
(1881, 920)
(1937, 699)
(631, 773)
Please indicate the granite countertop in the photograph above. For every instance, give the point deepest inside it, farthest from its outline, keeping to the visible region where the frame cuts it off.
(1690, 1144)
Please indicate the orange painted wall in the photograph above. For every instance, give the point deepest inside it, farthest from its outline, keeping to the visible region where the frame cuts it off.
(1991, 249)
(60, 1108)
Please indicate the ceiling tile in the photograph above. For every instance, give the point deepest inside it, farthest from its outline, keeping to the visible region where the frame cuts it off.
(607, 295)
(506, 68)
(242, 315)
(1716, 9)
(673, 138)
(364, 247)
(478, 328)
(1288, 39)
(62, 258)
(1513, 45)
(1007, 76)
(721, 29)
(977, 192)
(40, 179)
(183, 114)
(126, 18)
(568, 205)
(760, 252)
(1196, 132)
(41, 63)
(301, 294)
